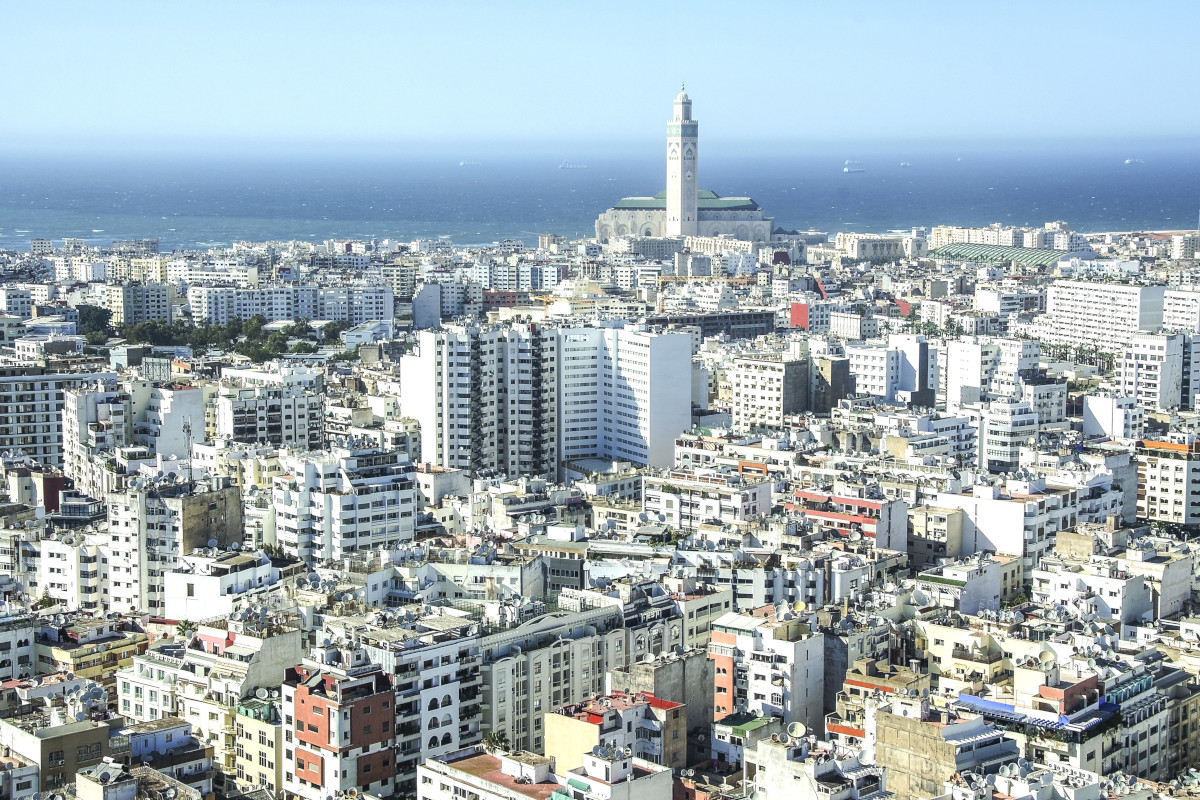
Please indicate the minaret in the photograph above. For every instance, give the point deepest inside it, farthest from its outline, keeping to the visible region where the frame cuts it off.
(681, 169)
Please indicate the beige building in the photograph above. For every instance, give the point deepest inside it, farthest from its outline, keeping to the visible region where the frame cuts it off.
(258, 755)
(765, 389)
(652, 728)
(934, 534)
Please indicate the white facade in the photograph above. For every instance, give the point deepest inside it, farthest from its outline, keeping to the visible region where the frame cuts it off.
(1151, 370)
(1113, 416)
(523, 399)
(1103, 315)
(286, 416)
(332, 504)
(218, 305)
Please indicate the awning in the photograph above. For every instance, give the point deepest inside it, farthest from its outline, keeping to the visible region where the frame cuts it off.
(580, 785)
(237, 651)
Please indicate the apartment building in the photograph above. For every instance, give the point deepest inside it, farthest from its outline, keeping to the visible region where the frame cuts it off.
(331, 504)
(341, 721)
(286, 416)
(766, 389)
(1169, 481)
(131, 303)
(523, 399)
(152, 523)
(33, 401)
(652, 728)
(1151, 370)
(218, 305)
(687, 499)
(769, 664)
(1102, 315)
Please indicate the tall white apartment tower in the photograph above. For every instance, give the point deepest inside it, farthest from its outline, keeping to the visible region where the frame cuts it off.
(682, 139)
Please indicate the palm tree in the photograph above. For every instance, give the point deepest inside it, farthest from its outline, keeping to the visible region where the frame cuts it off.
(495, 740)
(185, 629)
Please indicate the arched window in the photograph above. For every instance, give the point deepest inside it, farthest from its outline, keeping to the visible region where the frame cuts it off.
(433, 704)
(433, 742)
(446, 701)
(433, 723)
(446, 739)
(447, 721)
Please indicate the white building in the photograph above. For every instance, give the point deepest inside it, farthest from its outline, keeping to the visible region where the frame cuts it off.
(1102, 315)
(1113, 416)
(329, 505)
(766, 389)
(772, 665)
(1169, 481)
(1151, 370)
(286, 416)
(686, 499)
(484, 396)
(211, 584)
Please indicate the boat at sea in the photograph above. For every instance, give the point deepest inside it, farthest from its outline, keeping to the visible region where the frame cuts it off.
(906, 163)
(572, 165)
(1134, 161)
(468, 163)
(853, 166)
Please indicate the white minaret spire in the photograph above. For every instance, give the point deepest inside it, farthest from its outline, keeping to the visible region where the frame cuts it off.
(682, 148)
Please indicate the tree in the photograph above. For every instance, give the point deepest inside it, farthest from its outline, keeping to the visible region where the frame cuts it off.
(185, 629)
(94, 320)
(45, 602)
(495, 740)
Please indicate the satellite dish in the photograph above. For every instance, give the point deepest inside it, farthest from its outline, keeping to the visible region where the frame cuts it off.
(260, 693)
(797, 729)
(799, 606)
(1046, 656)
(212, 542)
(919, 598)
(855, 536)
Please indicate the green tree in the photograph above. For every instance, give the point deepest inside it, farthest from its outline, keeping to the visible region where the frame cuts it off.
(185, 629)
(496, 740)
(94, 319)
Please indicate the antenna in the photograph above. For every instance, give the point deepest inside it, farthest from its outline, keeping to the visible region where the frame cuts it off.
(187, 433)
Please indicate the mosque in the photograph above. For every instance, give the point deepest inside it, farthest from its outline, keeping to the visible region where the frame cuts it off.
(684, 210)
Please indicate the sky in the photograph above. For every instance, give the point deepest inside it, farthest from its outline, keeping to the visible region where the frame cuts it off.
(280, 76)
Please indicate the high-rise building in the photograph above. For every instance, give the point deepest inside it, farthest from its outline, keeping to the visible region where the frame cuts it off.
(524, 398)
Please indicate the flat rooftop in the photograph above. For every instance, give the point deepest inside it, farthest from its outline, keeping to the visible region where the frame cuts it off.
(487, 767)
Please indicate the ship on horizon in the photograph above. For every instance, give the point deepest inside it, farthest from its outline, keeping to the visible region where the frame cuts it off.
(853, 166)
(572, 165)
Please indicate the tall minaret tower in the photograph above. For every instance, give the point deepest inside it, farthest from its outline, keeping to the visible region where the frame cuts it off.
(681, 169)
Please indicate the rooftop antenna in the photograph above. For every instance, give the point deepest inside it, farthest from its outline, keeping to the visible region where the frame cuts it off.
(187, 433)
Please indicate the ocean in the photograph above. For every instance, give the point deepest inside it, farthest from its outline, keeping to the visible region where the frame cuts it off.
(214, 201)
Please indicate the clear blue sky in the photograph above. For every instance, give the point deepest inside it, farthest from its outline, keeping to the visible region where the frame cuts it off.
(173, 74)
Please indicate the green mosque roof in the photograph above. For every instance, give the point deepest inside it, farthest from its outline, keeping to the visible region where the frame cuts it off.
(705, 201)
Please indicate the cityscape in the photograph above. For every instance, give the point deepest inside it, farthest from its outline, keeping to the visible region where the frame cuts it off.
(703, 503)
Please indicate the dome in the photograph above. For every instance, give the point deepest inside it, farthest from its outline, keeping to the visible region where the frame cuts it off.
(682, 98)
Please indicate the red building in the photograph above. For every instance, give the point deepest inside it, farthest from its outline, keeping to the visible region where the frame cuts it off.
(339, 730)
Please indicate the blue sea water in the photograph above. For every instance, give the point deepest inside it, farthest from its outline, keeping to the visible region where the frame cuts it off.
(218, 200)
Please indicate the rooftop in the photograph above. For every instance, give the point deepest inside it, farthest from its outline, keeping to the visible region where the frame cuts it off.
(705, 201)
(487, 767)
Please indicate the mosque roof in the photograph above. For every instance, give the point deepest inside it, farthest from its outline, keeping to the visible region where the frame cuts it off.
(1029, 256)
(705, 201)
